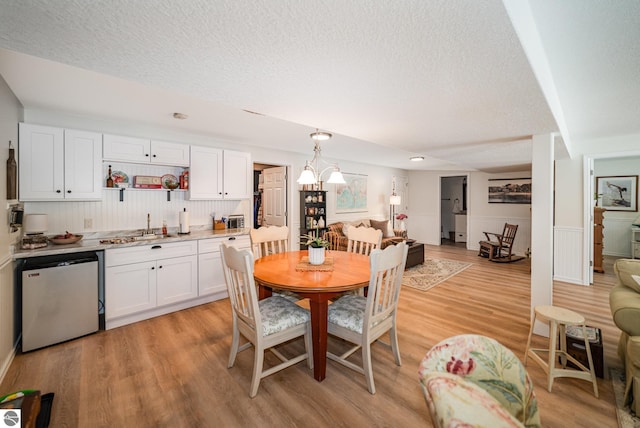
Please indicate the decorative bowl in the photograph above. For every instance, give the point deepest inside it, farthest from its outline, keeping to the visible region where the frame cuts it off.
(63, 241)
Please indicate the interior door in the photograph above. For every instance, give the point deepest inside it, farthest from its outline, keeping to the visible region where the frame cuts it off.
(274, 196)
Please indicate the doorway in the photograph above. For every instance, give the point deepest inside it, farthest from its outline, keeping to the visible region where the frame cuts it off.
(453, 210)
(269, 195)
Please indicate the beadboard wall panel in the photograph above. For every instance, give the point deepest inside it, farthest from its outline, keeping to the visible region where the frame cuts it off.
(567, 255)
(110, 214)
(617, 237)
(7, 310)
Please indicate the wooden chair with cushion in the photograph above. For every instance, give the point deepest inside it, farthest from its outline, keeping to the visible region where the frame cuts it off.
(265, 323)
(362, 320)
(269, 240)
(487, 364)
(501, 247)
(363, 240)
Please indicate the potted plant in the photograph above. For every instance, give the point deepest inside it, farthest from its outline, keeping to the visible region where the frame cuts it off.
(316, 246)
(401, 217)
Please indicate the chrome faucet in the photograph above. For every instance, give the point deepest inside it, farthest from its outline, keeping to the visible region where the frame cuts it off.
(148, 231)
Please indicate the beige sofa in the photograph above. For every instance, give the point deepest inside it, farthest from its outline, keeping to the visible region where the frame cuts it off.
(338, 239)
(624, 299)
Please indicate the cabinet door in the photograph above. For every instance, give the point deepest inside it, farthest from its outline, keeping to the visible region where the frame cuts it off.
(126, 149)
(41, 158)
(210, 274)
(238, 176)
(205, 175)
(177, 279)
(129, 289)
(166, 153)
(82, 165)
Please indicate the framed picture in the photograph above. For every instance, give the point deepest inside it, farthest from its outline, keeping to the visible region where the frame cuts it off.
(510, 191)
(618, 192)
(351, 197)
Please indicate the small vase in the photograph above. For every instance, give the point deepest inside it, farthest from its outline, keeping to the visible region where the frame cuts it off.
(316, 255)
(402, 226)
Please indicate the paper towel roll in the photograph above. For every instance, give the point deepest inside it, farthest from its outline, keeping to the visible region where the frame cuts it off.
(184, 222)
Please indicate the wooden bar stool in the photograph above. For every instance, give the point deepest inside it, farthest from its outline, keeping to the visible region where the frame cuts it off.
(558, 319)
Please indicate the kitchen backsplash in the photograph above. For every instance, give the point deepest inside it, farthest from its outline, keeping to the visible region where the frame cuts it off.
(111, 214)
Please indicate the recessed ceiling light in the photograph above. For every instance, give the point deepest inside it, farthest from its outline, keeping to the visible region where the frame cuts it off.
(181, 116)
(416, 158)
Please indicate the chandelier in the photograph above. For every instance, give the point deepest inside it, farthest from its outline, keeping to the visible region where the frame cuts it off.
(311, 174)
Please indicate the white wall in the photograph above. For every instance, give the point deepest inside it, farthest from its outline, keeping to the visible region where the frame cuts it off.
(572, 204)
(617, 237)
(10, 114)
(109, 214)
(424, 217)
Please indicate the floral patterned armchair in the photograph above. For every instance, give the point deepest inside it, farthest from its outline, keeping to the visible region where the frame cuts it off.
(466, 376)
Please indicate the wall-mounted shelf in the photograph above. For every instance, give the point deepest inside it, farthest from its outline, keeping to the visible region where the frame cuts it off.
(137, 189)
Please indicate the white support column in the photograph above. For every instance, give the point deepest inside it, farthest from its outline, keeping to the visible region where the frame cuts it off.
(542, 225)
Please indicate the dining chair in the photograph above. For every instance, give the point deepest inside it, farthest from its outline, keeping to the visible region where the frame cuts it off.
(363, 240)
(265, 323)
(362, 320)
(269, 240)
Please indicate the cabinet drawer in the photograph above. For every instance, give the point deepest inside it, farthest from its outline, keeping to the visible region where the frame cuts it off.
(213, 245)
(144, 253)
(461, 236)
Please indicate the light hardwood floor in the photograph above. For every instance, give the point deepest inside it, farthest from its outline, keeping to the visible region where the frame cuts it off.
(172, 370)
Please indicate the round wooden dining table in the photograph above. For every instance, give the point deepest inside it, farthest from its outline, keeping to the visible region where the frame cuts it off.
(283, 271)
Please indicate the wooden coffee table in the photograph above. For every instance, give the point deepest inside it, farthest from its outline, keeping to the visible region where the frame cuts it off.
(416, 254)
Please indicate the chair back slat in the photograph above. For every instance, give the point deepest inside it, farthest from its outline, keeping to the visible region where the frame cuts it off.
(363, 240)
(238, 273)
(509, 234)
(269, 240)
(387, 267)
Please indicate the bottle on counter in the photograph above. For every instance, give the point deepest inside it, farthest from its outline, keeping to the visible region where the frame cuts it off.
(164, 227)
(109, 178)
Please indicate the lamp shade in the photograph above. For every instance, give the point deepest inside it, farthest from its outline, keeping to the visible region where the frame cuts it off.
(636, 222)
(336, 178)
(394, 200)
(307, 177)
(35, 223)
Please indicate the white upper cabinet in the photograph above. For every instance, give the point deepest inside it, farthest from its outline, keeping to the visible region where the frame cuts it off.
(238, 175)
(141, 150)
(58, 164)
(165, 153)
(220, 174)
(205, 174)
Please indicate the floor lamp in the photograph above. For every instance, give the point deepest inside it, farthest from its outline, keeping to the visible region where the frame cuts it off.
(394, 200)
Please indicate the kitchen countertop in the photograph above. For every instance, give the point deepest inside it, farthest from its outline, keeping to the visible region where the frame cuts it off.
(92, 242)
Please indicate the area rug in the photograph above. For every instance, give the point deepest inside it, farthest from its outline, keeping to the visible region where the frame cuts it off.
(626, 418)
(432, 272)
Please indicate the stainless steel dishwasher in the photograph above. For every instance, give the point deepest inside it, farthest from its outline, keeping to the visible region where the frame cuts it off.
(59, 298)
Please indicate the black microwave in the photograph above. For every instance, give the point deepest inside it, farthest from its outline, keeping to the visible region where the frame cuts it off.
(235, 221)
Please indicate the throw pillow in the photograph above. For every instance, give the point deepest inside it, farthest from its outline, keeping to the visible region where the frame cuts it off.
(383, 226)
(625, 269)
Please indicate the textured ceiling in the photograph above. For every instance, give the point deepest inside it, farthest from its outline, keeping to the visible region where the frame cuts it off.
(390, 79)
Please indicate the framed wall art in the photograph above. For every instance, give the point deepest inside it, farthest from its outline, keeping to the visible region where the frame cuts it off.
(351, 197)
(510, 191)
(618, 192)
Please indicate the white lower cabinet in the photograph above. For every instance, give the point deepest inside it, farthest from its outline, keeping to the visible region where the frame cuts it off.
(210, 274)
(150, 280)
(146, 281)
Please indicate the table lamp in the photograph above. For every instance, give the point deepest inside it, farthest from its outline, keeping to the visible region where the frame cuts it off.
(636, 222)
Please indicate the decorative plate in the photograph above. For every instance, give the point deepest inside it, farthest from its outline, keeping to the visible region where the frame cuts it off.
(61, 241)
(170, 181)
(119, 177)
